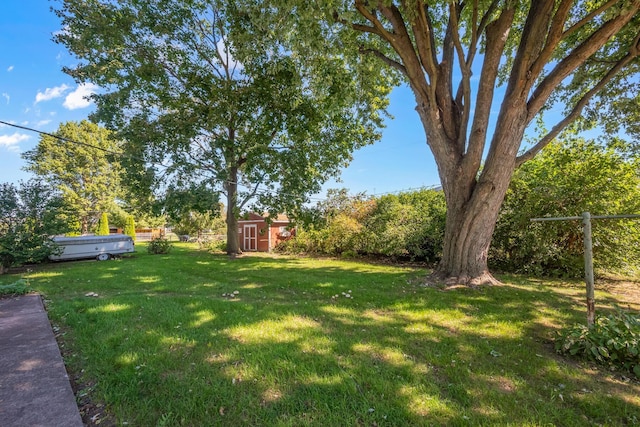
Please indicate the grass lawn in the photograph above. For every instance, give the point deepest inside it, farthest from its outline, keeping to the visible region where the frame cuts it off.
(169, 341)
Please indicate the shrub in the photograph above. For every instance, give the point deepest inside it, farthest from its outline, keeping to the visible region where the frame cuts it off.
(613, 340)
(30, 213)
(19, 287)
(103, 225)
(130, 227)
(158, 246)
(217, 245)
(565, 180)
(407, 226)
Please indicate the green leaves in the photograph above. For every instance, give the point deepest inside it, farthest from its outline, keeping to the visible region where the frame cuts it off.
(103, 225)
(614, 341)
(235, 96)
(29, 215)
(84, 165)
(566, 179)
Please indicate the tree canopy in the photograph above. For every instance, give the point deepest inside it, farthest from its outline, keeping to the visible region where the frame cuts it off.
(83, 163)
(30, 214)
(483, 73)
(188, 85)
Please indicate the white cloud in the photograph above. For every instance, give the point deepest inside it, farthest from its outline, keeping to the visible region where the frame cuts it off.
(43, 123)
(10, 142)
(10, 69)
(78, 98)
(7, 97)
(51, 93)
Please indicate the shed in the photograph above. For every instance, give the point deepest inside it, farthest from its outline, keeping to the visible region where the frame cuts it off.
(255, 234)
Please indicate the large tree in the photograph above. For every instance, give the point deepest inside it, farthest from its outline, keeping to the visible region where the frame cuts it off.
(465, 59)
(81, 160)
(187, 87)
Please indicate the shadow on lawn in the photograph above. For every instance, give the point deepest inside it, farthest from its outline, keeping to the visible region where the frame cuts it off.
(166, 347)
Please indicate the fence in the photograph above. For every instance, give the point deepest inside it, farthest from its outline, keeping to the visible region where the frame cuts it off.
(148, 234)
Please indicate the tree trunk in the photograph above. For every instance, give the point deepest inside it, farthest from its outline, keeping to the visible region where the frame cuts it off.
(468, 231)
(473, 206)
(233, 244)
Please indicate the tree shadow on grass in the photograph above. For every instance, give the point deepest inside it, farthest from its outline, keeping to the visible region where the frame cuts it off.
(169, 342)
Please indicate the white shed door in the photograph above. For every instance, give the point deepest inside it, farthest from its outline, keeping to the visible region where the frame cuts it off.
(250, 237)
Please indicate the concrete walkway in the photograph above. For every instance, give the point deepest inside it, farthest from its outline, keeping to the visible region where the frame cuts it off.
(34, 386)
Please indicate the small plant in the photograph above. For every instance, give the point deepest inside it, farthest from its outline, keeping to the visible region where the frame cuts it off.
(19, 287)
(159, 245)
(613, 340)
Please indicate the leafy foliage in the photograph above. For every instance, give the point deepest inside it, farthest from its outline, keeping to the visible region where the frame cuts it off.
(217, 96)
(83, 166)
(404, 226)
(613, 341)
(195, 223)
(159, 246)
(130, 227)
(567, 179)
(29, 215)
(103, 225)
(528, 61)
(409, 225)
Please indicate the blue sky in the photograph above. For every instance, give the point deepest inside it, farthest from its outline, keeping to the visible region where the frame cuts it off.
(34, 92)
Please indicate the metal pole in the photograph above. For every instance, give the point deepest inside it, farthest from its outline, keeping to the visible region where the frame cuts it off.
(588, 269)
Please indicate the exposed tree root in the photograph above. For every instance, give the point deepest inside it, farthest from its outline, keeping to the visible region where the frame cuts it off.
(443, 281)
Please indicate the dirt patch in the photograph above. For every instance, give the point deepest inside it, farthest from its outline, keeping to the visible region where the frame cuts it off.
(628, 292)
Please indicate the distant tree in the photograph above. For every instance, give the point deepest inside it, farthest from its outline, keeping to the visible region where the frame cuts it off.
(194, 223)
(130, 228)
(29, 215)
(103, 225)
(82, 165)
(188, 84)
(569, 178)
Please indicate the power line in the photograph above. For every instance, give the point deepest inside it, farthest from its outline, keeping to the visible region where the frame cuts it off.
(121, 154)
(62, 138)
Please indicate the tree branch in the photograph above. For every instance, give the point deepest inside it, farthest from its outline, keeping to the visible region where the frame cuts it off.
(358, 27)
(215, 45)
(575, 27)
(400, 40)
(465, 81)
(423, 33)
(395, 64)
(577, 57)
(577, 109)
(253, 192)
(377, 25)
(553, 38)
(496, 37)
(531, 44)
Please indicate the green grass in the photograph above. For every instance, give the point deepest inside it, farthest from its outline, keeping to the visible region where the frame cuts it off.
(166, 342)
(19, 287)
